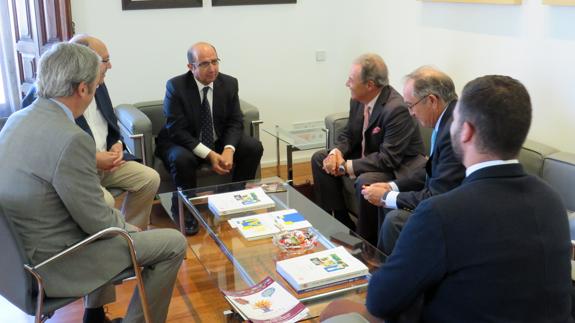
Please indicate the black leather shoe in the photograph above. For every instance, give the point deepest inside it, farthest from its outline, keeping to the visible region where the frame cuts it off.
(191, 225)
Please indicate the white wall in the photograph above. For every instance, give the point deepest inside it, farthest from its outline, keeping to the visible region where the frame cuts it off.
(271, 50)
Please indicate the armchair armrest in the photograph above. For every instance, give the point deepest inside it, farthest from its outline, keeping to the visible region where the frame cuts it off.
(334, 123)
(108, 232)
(134, 127)
(251, 116)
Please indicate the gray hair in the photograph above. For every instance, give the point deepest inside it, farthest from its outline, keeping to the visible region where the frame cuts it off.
(63, 67)
(429, 80)
(373, 68)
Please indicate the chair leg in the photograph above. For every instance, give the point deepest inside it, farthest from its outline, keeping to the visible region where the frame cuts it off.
(143, 296)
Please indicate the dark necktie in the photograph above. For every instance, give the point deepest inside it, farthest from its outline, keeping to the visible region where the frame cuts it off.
(206, 124)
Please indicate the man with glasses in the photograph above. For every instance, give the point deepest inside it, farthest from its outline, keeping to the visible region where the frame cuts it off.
(204, 124)
(115, 168)
(380, 142)
(431, 98)
(494, 249)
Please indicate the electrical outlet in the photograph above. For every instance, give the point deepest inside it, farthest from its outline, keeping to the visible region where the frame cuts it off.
(320, 56)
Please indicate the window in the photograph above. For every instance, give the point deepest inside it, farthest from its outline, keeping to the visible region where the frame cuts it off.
(9, 98)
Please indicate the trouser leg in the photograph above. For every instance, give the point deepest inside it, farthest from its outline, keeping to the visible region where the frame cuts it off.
(328, 189)
(247, 159)
(160, 252)
(141, 183)
(367, 224)
(390, 230)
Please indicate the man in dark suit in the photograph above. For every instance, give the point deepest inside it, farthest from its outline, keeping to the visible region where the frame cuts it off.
(431, 98)
(204, 124)
(116, 168)
(381, 142)
(496, 248)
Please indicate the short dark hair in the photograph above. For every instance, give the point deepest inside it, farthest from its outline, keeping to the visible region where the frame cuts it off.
(499, 108)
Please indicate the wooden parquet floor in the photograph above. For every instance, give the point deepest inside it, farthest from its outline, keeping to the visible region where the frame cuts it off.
(195, 297)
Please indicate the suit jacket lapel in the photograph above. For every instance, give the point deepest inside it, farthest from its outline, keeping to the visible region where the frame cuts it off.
(378, 107)
(195, 100)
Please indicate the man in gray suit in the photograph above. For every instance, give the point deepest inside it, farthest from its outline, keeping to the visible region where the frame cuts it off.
(56, 201)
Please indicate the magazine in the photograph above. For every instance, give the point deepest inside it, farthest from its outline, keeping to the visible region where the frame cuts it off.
(321, 269)
(260, 226)
(239, 201)
(267, 301)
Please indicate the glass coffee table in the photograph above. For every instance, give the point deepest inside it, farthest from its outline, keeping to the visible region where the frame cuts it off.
(296, 140)
(235, 263)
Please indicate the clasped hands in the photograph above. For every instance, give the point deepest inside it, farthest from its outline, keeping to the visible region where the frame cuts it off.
(222, 163)
(374, 192)
(112, 159)
(332, 161)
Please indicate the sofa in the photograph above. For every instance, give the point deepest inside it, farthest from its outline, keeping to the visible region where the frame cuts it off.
(141, 122)
(553, 166)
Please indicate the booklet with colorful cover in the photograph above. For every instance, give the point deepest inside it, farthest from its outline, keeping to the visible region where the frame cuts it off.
(321, 269)
(239, 201)
(267, 301)
(260, 226)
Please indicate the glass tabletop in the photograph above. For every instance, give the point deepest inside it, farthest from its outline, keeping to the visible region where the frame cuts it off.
(235, 263)
(300, 138)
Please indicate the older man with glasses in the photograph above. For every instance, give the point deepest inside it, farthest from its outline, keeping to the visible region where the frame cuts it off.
(204, 125)
(430, 97)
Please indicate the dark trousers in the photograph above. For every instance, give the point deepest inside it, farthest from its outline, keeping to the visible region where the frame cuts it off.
(391, 224)
(183, 164)
(329, 195)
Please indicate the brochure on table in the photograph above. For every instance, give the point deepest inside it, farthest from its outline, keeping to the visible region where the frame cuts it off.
(260, 226)
(321, 269)
(239, 201)
(267, 301)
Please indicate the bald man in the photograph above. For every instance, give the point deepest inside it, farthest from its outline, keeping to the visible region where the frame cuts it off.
(116, 168)
(204, 125)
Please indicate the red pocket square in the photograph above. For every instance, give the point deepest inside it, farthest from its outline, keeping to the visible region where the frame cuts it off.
(376, 130)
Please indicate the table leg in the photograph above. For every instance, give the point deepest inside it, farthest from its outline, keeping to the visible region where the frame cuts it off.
(289, 151)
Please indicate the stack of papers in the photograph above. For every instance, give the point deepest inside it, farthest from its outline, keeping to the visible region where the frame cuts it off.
(320, 269)
(239, 201)
(265, 225)
(267, 301)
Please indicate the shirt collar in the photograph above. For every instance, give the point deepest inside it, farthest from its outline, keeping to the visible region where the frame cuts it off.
(473, 168)
(371, 103)
(64, 108)
(201, 85)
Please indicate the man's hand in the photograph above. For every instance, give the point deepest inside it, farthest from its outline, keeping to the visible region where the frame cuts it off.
(118, 148)
(228, 159)
(344, 306)
(108, 161)
(217, 161)
(332, 162)
(374, 192)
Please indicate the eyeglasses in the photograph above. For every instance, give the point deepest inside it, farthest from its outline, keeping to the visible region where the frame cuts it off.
(206, 64)
(409, 107)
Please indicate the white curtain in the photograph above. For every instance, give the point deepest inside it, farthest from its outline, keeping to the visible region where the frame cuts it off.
(8, 64)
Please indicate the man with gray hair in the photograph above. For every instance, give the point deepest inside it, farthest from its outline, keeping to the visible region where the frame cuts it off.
(430, 97)
(380, 142)
(116, 169)
(59, 200)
